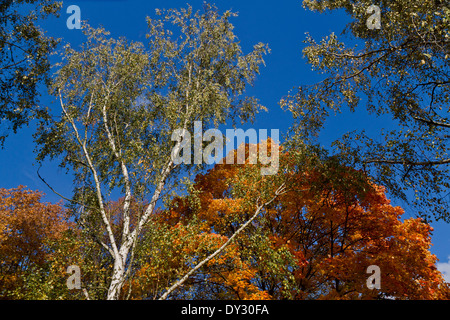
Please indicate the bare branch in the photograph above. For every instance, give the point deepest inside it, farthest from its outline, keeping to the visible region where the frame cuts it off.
(432, 122)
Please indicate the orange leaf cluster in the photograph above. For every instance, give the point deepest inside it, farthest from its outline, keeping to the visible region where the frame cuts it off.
(26, 227)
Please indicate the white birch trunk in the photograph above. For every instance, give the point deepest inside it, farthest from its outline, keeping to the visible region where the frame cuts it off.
(118, 278)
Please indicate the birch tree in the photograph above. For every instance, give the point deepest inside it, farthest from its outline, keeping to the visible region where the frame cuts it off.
(119, 102)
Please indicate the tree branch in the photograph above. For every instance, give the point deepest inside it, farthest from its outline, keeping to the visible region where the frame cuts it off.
(408, 162)
(96, 179)
(127, 201)
(432, 122)
(281, 190)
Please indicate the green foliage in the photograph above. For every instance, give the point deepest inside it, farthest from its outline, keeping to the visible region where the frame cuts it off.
(24, 64)
(48, 281)
(402, 72)
(146, 93)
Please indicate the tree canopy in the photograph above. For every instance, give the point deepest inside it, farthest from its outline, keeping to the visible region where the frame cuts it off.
(24, 61)
(27, 229)
(399, 71)
(315, 241)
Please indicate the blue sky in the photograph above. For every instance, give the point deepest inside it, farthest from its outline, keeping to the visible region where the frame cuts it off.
(281, 24)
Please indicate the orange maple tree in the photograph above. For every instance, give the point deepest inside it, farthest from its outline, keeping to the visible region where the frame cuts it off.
(315, 241)
(27, 226)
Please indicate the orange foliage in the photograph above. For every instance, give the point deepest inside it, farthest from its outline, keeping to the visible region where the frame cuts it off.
(316, 241)
(26, 226)
(333, 226)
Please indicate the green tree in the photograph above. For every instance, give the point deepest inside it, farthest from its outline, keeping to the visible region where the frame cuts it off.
(401, 71)
(24, 60)
(121, 102)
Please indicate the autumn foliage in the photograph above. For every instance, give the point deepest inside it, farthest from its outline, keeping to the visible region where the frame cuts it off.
(27, 227)
(314, 242)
